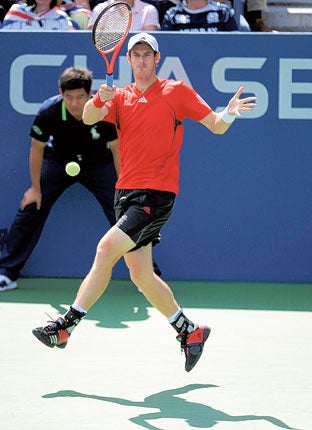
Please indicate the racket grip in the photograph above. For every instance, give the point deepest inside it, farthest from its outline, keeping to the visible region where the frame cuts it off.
(109, 80)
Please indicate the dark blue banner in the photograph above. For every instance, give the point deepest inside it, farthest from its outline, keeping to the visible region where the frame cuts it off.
(245, 207)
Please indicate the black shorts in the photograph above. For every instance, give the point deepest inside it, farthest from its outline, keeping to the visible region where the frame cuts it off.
(142, 213)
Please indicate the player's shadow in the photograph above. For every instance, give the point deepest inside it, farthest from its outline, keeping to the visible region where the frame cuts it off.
(120, 304)
(170, 406)
(117, 308)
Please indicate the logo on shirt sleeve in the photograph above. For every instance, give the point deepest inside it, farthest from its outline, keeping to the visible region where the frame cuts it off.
(37, 130)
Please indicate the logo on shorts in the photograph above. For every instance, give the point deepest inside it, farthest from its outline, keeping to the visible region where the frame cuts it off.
(147, 209)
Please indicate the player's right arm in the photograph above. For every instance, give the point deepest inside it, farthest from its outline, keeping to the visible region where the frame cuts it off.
(33, 194)
(95, 109)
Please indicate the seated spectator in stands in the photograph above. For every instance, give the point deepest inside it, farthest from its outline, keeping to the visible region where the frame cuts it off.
(37, 15)
(162, 6)
(201, 16)
(78, 10)
(243, 24)
(144, 16)
(253, 15)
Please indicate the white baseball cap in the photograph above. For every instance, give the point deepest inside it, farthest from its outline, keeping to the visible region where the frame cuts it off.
(143, 37)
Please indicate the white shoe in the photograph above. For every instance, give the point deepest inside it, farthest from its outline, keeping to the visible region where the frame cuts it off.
(6, 284)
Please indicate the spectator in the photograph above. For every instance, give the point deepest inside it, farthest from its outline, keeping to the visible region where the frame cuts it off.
(144, 16)
(201, 16)
(78, 10)
(243, 24)
(162, 6)
(37, 15)
(253, 14)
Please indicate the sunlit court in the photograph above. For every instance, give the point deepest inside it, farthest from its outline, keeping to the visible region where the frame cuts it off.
(199, 140)
(122, 368)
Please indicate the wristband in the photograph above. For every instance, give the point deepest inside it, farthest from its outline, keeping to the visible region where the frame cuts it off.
(97, 102)
(227, 117)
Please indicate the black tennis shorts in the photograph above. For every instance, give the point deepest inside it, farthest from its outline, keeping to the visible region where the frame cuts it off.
(142, 213)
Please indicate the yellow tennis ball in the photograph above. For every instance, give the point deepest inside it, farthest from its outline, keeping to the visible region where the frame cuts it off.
(72, 168)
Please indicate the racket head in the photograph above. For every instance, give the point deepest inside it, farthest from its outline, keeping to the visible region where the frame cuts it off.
(111, 27)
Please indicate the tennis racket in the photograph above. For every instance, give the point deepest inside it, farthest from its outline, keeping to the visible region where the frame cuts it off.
(109, 32)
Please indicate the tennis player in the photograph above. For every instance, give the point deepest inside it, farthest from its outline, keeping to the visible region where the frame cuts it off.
(148, 115)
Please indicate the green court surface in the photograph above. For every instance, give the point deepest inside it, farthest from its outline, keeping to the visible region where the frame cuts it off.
(123, 369)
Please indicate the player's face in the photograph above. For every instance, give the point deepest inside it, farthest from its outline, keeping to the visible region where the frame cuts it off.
(74, 101)
(143, 60)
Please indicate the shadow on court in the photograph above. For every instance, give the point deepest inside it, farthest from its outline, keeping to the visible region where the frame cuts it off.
(170, 406)
(122, 302)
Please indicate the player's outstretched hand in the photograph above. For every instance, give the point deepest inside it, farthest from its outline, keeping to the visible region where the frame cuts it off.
(236, 104)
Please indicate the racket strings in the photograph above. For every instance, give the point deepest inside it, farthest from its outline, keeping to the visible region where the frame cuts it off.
(111, 28)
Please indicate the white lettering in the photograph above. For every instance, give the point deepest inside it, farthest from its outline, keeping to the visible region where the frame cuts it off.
(218, 79)
(287, 88)
(80, 61)
(124, 78)
(17, 79)
(172, 66)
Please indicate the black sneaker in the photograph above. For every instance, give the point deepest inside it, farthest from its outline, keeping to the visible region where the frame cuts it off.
(54, 334)
(192, 345)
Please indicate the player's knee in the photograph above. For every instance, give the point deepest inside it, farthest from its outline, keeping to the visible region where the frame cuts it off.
(106, 251)
(140, 275)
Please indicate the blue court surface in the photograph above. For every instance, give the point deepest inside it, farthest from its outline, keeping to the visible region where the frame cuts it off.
(123, 369)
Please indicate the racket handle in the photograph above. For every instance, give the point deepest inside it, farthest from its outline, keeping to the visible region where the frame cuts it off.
(109, 80)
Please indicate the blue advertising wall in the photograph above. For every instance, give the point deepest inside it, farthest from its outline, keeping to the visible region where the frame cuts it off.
(244, 212)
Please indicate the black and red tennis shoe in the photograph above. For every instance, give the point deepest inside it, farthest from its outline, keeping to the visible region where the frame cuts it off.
(192, 344)
(57, 334)
(54, 334)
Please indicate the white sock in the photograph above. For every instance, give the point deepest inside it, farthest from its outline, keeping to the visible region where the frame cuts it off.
(78, 308)
(174, 317)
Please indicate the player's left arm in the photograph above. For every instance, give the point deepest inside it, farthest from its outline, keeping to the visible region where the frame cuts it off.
(220, 122)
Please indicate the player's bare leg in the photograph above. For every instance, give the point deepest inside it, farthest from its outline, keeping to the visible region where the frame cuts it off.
(109, 250)
(159, 294)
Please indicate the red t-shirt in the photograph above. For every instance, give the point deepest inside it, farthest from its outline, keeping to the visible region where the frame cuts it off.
(150, 132)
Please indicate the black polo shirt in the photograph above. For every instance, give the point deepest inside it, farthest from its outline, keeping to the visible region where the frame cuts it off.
(69, 139)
